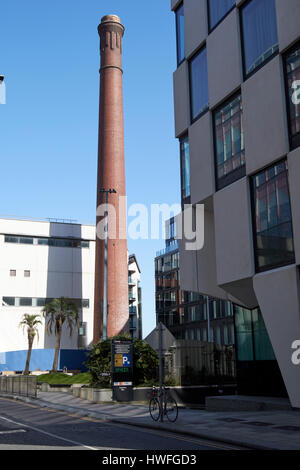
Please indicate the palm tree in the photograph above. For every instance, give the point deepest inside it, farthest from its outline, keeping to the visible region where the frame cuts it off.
(30, 322)
(57, 312)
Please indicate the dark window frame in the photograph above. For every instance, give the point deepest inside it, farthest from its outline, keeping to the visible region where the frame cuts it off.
(212, 28)
(240, 172)
(184, 200)
(206, 109)
(253, 338)
(246, 75)
(57, 242)
(259, 269)
(179, 62)
(294, 140)
(7, 301)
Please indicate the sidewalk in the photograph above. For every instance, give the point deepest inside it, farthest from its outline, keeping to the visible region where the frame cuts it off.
(273, 430)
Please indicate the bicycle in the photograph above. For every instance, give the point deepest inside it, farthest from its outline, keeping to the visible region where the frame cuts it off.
(169, 405)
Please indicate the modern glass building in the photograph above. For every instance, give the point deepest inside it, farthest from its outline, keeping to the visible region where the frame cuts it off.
(188, 315)
(237, 118)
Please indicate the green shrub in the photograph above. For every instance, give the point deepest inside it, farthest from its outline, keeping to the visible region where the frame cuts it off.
(145, 362)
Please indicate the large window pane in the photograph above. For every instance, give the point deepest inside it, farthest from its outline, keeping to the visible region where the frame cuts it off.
(243, 325)
(198, 84)
(292, 65)
(259, 33)
(229, 142)
(25, 301)
(273, 220)
(180, 33)
(8, 301)
(218, 9)
(262, 345)
(185, 168)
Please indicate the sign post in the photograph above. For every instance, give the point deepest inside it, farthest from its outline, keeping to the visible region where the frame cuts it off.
(122, 370)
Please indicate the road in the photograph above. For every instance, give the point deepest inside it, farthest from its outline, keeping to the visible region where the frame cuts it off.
(28, 427)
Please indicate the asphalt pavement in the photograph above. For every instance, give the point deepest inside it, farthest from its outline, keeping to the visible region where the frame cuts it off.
(262, 430)
(28, 426)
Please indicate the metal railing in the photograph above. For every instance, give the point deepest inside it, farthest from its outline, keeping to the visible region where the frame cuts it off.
(24, 385)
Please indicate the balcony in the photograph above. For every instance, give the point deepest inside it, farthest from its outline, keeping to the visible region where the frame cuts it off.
(131, 282)
(168, 249)
(132, 310)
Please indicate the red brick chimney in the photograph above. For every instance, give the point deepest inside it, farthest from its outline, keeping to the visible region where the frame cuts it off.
(111, 175)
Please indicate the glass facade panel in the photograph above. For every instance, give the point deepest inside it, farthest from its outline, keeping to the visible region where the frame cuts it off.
(274, 244)
(10, 239)
(218, 9)
(199, 84)
(26, 240)
(243, 324)
(260, 37)
(229, 142)
(25, 301)
(9, 301)
(179, 14)
(292, 66)
(185, 168)
(57, 242)
(262, 344)
(253, 341)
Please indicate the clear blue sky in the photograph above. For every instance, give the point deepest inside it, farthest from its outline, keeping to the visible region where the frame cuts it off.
(49, 54)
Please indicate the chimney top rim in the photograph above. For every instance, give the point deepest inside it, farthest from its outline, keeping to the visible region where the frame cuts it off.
(110, 18)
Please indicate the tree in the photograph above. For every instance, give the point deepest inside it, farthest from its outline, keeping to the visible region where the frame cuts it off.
(145, 362)
(30, 322)
(57, 312)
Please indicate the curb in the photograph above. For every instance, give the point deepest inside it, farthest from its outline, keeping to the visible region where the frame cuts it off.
(109, 419)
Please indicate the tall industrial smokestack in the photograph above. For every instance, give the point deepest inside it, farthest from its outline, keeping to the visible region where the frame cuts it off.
(111, 176)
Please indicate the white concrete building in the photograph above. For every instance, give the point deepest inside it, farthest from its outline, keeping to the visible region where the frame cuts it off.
(40, 261)
(135, 301)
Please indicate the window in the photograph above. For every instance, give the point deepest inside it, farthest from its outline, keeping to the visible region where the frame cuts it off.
(64, 242)
(292, 69)
(198, 84)
(26, 240)
(185, 168)
(26, 273)
(10, 239)
(273, 233)
(8, 301)
(25, 302)
(217, 9)
(253, 341)
(262, 345)
(85, 303)
(218, 335)
(229, 142)
(259, 26)
(12, 273)
(82, 329)
(179, 15)
(243, 324)
(175, 261)
(225, 334)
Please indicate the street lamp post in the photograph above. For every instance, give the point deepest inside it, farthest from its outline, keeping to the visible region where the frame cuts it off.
(105, 306)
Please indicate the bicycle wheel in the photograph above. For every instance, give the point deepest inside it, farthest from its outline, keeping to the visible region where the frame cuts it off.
(171, 409)
(154, 409)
